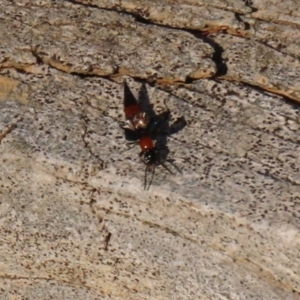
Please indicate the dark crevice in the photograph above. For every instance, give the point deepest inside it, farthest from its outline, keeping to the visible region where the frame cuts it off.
(84, 75)
(217, 55)
(21, 71)
(217, 58)
(189, 80)
(106, 241)
(220, 63)
(246, 24)
(39, 60)
(140, 19)
(249, 4)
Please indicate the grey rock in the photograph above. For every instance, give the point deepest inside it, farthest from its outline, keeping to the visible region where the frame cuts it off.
(76, 222)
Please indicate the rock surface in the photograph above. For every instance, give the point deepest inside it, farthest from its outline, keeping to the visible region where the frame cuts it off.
(76, 222)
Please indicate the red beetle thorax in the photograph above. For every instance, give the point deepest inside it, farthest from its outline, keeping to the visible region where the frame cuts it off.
(146, 143)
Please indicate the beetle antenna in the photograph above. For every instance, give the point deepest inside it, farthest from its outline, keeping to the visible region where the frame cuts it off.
(152, 175)
(129, 145)
(145, 178)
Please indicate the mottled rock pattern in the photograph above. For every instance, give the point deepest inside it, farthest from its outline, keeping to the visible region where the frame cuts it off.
(75, 220)
(98, 42)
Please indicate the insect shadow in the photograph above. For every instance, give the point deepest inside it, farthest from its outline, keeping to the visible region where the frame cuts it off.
(150, 130)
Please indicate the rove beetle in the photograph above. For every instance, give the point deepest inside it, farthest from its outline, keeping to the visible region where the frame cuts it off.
(140, 127)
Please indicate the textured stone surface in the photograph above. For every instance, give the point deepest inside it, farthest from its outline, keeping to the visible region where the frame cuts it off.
(172, 13)
(259, 65)
(280, 12)
(92, 41)
(75, 220)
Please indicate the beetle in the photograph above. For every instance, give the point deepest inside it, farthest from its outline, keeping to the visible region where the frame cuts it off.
(144, 128)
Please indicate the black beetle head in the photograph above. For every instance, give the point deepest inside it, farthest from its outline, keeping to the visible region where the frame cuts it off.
(151, 157)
